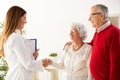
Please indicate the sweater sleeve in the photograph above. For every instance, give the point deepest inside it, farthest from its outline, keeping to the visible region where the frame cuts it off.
(60, 64)
(115, 56)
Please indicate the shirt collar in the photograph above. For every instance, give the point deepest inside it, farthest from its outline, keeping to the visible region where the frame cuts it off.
(103, 26)
(17, 31)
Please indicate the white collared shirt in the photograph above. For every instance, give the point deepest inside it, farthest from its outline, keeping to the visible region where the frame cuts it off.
(103, 26)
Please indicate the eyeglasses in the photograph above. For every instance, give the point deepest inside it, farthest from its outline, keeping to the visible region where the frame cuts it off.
(92, 14)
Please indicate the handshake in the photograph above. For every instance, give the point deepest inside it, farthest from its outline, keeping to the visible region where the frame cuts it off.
(46, 62)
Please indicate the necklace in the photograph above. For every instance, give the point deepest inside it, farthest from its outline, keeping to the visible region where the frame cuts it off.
(77, 47)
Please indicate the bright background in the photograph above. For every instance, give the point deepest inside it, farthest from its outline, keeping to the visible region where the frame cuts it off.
(49, 20)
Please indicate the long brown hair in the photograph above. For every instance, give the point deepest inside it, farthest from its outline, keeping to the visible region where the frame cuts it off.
(11, 23)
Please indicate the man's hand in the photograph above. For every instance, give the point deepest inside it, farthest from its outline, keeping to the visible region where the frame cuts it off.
(67, 44)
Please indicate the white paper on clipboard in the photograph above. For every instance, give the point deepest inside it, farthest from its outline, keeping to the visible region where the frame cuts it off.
(32, 43)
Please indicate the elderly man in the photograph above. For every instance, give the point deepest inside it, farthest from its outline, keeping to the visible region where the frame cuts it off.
(105, 59)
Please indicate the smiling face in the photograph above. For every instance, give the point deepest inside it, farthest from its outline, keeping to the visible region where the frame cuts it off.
(96, 17)
(22, 22)
(74, 34)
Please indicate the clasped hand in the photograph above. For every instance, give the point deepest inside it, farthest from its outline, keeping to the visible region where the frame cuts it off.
(46, 62)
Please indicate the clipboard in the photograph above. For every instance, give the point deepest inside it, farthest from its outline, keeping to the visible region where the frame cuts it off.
(32, 43)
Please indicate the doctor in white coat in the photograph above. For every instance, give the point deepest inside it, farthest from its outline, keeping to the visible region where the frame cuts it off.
(14, 47)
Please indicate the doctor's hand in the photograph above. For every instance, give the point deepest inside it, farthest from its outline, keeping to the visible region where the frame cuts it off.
(36, 54)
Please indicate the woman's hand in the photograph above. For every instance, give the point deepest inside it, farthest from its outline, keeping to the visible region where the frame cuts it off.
(36, 54)
(46, 62)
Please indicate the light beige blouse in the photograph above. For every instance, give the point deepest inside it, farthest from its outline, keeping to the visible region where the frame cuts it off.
(75, 63)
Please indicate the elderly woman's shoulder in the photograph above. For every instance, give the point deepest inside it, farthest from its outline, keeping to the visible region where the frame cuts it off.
(88, 45)
(67, 47)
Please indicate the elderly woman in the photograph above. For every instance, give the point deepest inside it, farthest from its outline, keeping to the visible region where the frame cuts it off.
(75, 59)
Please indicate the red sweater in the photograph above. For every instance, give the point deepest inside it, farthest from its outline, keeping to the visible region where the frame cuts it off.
(105, 59)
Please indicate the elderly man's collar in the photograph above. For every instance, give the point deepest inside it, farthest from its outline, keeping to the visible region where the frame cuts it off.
(103, 26)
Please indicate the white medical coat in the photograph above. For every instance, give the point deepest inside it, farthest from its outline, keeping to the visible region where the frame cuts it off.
(20, 58)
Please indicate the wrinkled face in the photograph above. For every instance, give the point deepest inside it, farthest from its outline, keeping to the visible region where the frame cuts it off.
(22, 21)
(96, 17)
(74, 34)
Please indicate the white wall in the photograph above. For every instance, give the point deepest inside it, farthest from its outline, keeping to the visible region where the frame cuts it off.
(50, 20)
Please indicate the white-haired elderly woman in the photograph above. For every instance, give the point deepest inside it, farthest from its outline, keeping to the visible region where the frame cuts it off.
(75, 59)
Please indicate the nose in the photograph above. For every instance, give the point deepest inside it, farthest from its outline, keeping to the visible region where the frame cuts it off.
(25, 21)
(89, 18)
(71, 33)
